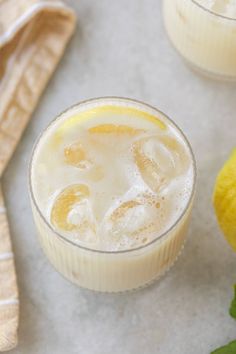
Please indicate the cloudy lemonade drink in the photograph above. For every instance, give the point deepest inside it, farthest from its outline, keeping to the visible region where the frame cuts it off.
(111, 186)
(204, 33)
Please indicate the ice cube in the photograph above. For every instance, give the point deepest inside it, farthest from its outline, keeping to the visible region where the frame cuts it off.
(158, 159)
(81, 217)
(72, 212)
(130, 223)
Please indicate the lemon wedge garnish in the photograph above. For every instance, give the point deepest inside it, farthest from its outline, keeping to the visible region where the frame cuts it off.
(108, 110)
(224, 199)
(115, 129)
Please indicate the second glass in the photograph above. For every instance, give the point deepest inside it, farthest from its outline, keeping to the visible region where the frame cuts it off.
(204, 36)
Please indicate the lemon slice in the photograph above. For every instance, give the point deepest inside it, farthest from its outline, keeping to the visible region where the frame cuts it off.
(125, 222)
(115, 129)
(108, 110)
(224, 199)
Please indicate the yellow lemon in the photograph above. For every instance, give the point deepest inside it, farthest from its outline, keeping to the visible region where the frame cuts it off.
(224, 199)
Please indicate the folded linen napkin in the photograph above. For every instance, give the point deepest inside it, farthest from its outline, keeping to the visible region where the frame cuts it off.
(33, 37)
(9, 303)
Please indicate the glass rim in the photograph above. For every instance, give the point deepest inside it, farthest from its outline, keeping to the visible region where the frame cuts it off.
(214, 13)
(156, 239)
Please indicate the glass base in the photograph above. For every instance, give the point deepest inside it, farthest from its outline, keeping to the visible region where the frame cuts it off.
(157, 279)
(199, 70)
(143, 286)
(209, 74)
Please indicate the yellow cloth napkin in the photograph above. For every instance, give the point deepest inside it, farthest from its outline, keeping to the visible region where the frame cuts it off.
(33, 37)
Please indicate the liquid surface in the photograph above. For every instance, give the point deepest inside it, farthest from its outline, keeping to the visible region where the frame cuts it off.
(112, 177)
(222, 7)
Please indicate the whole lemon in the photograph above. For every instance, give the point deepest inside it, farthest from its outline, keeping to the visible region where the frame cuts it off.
(224, 199)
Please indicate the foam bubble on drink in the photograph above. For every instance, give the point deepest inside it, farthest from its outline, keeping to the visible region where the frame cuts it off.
(137, 185)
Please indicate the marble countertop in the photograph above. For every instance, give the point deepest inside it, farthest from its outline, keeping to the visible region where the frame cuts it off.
(120, 48)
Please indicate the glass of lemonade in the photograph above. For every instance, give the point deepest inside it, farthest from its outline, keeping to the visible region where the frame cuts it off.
(112, 183)
(204, 33)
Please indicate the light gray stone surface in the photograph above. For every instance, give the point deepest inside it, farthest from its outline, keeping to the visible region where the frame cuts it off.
(120, 48)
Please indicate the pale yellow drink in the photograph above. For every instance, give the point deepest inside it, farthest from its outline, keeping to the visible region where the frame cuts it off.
(112, 184)
(204, 33)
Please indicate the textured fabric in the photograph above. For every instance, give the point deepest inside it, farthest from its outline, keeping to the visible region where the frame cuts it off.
(28, 57)
(9, 303)
(33, 36)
